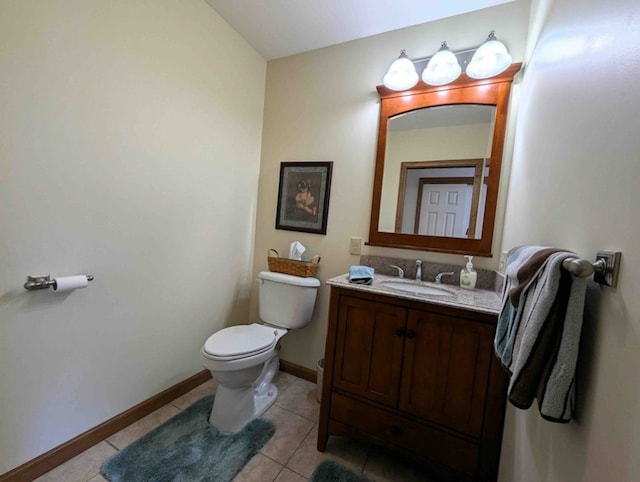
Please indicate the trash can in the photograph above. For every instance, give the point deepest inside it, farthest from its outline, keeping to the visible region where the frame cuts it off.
(320, 369)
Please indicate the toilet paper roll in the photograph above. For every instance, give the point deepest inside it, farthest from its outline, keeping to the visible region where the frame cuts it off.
(68, 283)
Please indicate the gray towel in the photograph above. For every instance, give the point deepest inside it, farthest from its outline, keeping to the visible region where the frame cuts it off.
(524, 264)
(545, 350)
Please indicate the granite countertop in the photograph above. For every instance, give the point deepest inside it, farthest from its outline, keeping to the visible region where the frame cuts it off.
(482, 301)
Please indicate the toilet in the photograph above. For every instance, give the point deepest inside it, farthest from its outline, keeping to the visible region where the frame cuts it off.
(243, 359)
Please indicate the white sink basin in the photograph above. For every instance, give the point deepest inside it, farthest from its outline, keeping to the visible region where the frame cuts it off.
(415, 288)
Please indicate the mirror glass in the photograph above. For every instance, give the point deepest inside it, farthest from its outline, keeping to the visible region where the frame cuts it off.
(437, 160)
(438, 165)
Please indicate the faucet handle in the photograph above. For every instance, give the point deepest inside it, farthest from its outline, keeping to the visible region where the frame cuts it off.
(440, 275)
(400, 270)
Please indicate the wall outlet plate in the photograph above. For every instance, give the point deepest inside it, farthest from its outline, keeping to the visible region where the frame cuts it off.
(355, 246)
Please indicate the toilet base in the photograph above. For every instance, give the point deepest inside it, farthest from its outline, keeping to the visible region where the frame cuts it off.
(233, 408)
(263, 402)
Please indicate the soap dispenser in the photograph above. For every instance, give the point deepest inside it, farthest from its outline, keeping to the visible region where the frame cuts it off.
(468, 275)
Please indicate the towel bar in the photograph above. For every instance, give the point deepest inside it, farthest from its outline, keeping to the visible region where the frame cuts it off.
(605, 269)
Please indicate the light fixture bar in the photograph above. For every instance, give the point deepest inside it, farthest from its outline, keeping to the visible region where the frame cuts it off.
(463, 56)
(486, 61)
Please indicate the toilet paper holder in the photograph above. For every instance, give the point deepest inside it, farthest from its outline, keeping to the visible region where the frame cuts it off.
(43, 281)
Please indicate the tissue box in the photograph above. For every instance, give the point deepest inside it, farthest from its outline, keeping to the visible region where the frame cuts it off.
(303, 269)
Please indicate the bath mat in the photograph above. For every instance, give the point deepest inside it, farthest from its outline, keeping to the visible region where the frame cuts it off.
(186, 448)
(330, 471)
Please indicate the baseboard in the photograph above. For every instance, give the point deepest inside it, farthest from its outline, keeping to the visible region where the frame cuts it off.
(298, 371)
(44, 463)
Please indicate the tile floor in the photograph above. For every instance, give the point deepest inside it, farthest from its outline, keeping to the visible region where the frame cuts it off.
(289, 456)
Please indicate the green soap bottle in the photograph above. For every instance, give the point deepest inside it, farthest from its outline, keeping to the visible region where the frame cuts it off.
(468, 275)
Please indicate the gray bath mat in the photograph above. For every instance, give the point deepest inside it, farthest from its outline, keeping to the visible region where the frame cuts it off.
(186, 448)
(330, 471)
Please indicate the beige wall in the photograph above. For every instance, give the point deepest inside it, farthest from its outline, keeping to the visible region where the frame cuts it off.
(130, 150)
(323, 105)
(574, 184)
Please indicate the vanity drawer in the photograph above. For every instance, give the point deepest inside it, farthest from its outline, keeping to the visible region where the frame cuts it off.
(423, 440)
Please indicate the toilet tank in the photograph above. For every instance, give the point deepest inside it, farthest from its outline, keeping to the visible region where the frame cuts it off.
(286, 301)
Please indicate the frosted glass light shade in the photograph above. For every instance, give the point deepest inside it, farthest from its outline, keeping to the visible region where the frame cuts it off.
(402, 74)
(490, 59)
(442, 68)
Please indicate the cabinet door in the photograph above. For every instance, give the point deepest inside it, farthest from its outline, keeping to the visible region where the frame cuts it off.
(369, 344)
(446, 368)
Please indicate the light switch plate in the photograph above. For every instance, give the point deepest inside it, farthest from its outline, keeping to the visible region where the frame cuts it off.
(355, 245)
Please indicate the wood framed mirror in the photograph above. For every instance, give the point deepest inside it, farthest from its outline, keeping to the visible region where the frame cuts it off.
(438, 165)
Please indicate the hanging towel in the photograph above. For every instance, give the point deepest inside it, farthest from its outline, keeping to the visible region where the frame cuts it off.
(556, 399)
(524, 264)
(546, 351)
(541, 321)
(361, 275)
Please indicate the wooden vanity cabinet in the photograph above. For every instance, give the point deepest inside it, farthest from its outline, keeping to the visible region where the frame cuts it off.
(416, 377)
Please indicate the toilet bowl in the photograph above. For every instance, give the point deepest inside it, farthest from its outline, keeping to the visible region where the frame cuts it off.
(243, 359)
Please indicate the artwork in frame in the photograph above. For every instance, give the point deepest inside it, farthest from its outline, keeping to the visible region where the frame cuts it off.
(303, 196)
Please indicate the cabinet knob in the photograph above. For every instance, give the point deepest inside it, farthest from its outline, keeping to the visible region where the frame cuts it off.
(411, 334)
(395, 430)
(400, 331)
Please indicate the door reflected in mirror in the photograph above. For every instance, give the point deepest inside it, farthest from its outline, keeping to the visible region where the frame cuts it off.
(436, 165)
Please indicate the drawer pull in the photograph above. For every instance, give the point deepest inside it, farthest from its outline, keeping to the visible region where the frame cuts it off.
(400, 331)
(411, 334)
(395, 430)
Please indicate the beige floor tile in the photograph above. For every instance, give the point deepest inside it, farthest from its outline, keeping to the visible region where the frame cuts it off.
(259, 469)
(82, 467)
(300, 398)
(137, 429)
(382, 466)
(189, 398)
(291, 429)
(343, 450)
(289, 476)
(282, 380)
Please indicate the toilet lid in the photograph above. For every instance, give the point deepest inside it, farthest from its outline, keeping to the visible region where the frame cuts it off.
(240, 340)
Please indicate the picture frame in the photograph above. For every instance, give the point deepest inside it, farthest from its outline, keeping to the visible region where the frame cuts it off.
(303, 196)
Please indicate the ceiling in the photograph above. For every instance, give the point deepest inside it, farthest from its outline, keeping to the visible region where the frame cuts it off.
(279, 28)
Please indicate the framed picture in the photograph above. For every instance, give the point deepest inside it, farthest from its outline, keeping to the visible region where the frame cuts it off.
(303, 196)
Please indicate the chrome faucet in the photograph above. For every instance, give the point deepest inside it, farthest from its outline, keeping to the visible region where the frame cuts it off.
(400, 270)
(440, 275)
(418, 270)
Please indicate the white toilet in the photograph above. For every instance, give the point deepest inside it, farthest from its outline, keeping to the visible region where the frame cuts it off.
(244, 359)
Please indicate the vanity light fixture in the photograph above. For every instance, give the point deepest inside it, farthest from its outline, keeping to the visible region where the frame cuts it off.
(402, 74)
(490, 59)
(442, 68)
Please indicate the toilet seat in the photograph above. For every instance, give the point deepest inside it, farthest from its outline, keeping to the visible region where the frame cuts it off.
(240, 341)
